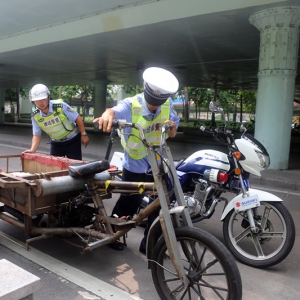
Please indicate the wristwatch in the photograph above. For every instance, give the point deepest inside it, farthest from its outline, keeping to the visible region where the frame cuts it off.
(83, 133)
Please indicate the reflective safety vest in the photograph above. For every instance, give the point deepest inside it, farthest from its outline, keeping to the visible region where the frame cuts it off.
(152, 129)
(56, 125)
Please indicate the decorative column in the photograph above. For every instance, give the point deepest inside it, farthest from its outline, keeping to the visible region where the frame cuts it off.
(100, 100)
(279, 43)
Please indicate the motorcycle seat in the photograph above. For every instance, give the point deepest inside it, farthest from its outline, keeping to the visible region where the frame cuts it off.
(90, 168)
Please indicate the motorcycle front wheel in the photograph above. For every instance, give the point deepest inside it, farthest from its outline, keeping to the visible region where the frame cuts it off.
(210, 268)
(273, 240)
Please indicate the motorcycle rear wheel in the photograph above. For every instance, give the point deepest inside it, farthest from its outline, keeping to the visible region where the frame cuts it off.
(212, 273)
(270, 245)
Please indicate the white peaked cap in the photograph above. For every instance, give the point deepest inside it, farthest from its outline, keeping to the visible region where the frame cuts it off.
(39, 92)
(159, 85)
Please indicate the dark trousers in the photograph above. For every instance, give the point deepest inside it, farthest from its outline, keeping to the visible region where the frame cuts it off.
(127, 205)
(71, 149)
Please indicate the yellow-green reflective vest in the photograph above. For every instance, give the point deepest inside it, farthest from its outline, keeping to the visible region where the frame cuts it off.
(56, 125)
(152, 129)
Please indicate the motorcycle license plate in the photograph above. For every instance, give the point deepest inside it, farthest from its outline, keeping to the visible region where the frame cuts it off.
(246, 203)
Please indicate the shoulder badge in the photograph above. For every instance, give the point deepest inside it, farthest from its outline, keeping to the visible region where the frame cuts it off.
(56, 105)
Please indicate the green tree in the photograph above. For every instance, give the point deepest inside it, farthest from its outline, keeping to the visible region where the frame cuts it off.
(132, 90)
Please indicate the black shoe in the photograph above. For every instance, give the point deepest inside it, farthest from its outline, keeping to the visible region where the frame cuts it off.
(116, 246)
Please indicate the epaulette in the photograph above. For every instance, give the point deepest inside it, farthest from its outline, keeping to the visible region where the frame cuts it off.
(55, 106)
(35, 112)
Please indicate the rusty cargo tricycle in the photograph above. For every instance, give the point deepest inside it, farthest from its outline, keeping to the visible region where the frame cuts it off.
(186, 262)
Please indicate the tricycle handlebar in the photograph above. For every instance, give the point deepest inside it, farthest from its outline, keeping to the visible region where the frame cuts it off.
(124, 124)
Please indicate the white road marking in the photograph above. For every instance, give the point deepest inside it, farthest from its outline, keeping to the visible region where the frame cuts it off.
(82, 279)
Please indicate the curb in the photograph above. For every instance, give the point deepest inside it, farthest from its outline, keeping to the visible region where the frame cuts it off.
(275, 183)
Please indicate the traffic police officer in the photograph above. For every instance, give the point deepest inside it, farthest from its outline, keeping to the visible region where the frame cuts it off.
(64, 125)
(150, 110)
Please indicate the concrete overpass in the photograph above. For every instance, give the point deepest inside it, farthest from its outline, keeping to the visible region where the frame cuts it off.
(231, 44)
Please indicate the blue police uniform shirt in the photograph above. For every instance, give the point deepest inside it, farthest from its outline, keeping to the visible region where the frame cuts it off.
(68, 111)
(123, 111)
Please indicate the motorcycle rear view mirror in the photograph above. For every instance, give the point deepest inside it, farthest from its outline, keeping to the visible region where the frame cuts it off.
(215, 107)
(243, 129)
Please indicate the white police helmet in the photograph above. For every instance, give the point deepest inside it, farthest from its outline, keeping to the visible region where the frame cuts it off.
(38, 92)
(159, 85)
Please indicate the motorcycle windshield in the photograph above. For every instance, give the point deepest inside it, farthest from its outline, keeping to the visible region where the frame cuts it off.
(256, 143)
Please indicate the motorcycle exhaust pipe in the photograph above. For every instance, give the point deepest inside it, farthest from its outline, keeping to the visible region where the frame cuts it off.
(208, 214)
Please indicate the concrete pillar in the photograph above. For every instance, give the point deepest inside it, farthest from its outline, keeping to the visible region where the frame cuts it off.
(2, 108)
(279, 43)
(100, 100)
(120, 94)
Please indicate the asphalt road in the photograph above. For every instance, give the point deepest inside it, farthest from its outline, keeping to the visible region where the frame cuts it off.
(104, 273)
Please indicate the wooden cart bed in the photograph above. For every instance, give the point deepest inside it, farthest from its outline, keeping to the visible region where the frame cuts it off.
(17, 188)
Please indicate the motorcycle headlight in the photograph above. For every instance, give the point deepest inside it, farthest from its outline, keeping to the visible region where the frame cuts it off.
(264, 160)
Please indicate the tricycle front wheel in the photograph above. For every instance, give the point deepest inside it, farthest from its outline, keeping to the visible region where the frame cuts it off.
(211, 271)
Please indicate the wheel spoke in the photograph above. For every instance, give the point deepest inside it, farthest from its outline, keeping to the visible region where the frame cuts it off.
(216, 289)
(206, 284)
(257, 245)
(178, 289)
(272, 234)
(242, 235)
(265, 217)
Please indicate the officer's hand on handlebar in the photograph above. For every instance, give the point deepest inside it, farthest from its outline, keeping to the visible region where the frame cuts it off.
(106, 120)
(171, 128)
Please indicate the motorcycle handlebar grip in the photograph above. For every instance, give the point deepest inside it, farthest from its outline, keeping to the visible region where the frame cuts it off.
(168, 127)
(122, 124)
(115, 124)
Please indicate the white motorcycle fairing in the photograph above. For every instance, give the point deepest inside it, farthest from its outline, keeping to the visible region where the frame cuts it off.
(251, 164)
(263, 196)
(203, 160)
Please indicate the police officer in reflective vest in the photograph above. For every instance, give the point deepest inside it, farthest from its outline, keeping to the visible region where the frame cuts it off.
(64, 125)
(150, 110)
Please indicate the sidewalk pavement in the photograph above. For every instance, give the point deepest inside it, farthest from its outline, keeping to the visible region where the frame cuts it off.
(20, 134)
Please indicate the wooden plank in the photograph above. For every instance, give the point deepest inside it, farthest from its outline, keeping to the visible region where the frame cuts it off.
(18, 207)
(9, 156)
(10, 181)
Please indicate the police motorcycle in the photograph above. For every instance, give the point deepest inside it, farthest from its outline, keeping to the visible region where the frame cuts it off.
(257, 227)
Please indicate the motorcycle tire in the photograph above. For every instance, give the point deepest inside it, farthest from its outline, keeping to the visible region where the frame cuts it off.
(212, 273)
(270, 245)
